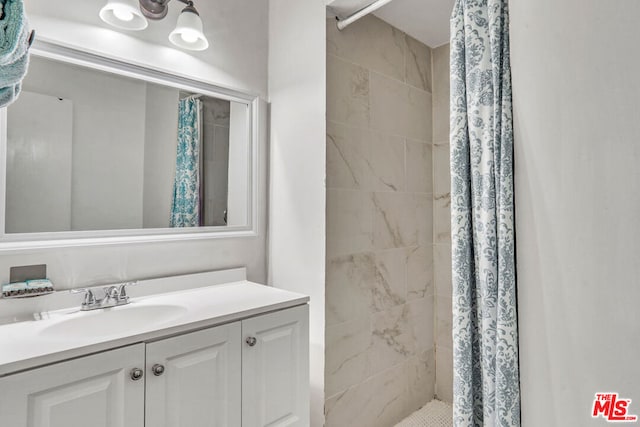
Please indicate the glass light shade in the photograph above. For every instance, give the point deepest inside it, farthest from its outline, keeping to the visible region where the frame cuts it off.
(123, 14)
(188, 33)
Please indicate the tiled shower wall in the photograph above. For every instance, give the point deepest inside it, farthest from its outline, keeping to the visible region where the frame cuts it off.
(380, 363)
(442, 223)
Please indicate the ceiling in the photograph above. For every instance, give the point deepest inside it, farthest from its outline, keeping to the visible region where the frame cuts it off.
(425, 20)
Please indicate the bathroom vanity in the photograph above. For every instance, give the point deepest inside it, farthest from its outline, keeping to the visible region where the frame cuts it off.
(208, 349)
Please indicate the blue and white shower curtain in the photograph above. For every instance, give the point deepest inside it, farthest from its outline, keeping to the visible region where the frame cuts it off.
(185, 204)
(485, 331)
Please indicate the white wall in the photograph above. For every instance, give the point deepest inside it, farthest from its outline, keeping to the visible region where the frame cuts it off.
(297, 90)
(38, 172)
(576, 90)
(100, 198)
(237, 58)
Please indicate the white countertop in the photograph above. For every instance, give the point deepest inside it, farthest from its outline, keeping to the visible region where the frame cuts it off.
(27, 344)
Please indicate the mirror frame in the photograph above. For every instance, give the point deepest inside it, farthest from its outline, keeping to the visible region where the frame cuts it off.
(44, 240)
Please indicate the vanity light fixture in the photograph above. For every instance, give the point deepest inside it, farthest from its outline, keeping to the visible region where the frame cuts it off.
(133, 14)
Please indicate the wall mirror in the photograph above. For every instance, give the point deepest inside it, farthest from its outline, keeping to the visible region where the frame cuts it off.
(95, 148)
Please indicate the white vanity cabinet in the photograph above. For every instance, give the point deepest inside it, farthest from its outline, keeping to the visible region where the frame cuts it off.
(275, 369)
(249, 373)
(94, 391)
(195, 379)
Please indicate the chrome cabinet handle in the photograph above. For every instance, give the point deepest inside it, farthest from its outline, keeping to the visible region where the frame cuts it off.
(251, 341)
(157, 369)
(136, 374)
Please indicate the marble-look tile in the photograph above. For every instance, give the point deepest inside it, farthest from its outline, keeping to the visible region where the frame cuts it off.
(392, 339)
(387, 162)
(379, 401)
(441, 169)
(394, 223)
(371, 43)
(418, 69)
(424, 218)
(440, 91)
(209, 142)
(419, 115)
(419, 272)
(348, 151)
(419, 167)
(444, 374)
(347, 92)
(390, 286)
(421, 323)
(442, 218)
(347, 354)
(402, 220)
(442, 270)
(348, 287)
(421, 370)
(389, 104)
(443, 322)
(216, 111)
(349, 221)
(220, 144)
(399, 109)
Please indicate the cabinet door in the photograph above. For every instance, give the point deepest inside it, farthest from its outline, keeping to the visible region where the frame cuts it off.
(275, 369)
(95, 391)
(200, 382)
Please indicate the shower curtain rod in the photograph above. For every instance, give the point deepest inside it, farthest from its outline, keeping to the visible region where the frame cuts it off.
(343, 23)
(194, 96)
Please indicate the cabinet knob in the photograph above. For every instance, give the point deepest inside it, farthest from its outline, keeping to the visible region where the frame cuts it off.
(157, 370)
(136, 374)
(251, 341)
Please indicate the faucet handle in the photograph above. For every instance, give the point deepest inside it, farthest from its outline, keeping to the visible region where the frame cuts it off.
(122, 291)
(89, 297)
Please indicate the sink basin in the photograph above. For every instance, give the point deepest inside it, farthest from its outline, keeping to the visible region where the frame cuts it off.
(113, 321)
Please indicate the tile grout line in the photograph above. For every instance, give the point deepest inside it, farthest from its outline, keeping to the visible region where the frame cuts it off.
(380, 73)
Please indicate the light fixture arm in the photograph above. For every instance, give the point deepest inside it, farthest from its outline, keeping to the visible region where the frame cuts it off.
(157, 9)
(190, 7)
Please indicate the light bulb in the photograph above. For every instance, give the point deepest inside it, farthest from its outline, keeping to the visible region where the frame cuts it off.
(123, 14)
(189, 36)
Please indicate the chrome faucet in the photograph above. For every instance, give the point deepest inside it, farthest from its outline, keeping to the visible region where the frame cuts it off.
(113, 296)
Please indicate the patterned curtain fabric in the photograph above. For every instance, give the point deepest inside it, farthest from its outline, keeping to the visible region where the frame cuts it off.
(185, 205)
(485, 332)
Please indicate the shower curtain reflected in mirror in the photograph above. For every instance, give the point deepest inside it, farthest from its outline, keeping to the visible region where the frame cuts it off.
(185, 205)
(486, 389)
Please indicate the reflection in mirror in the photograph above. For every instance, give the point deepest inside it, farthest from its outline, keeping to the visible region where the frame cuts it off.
(91, 150)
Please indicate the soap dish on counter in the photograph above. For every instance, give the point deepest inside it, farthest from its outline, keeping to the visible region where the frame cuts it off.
(27, 289)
